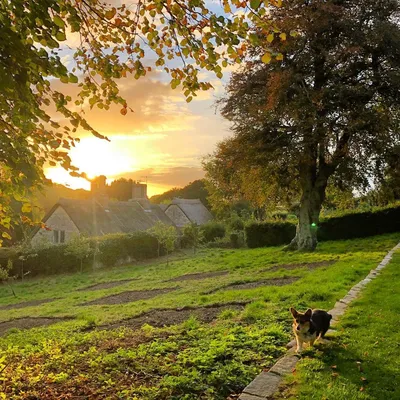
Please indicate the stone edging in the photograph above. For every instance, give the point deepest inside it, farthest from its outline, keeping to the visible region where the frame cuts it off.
(267, 383)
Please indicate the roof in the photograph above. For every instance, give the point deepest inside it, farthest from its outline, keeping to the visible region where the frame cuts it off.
(95, 219)
(194, 209)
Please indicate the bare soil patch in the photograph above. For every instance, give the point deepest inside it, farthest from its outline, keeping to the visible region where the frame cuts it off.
(24, 304)
(256, 284)
(198, 276)
(129, 296)
(166, 317)
(105, 285)
(289, 267)
(28, 323)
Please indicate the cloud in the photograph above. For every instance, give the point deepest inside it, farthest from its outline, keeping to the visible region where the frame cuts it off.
(173, 177)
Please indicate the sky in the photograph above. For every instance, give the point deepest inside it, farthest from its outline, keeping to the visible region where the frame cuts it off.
(162, 142)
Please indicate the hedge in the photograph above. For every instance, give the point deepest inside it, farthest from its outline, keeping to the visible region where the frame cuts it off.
(269, 234)
(111, 250)
(348, 226)
(359, 225)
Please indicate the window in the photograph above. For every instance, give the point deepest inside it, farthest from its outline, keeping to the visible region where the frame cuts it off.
(62, 236)
(56, 236)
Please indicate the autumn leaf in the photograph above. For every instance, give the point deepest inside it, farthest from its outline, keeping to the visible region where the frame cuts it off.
(266, 58)
(123, 111)
(270, 38)
(110, 14)
(283, 36)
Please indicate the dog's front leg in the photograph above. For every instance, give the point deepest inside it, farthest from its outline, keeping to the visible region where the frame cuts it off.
(299, 345)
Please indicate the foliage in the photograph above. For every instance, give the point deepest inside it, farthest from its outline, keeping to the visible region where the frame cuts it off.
(79, 247)
(360, 224)
(5, 274)
(346, 225)
(109, 250)
(213, 230)
(39, 121)
(235, 223)
(359, 362)
(237, 239)
(192, 236)
(166, 236)
(194, 190)
(269, 233)
(329, 112)
(120, 248)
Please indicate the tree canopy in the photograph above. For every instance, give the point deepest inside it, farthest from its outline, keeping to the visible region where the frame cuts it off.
(39, 123)
(329, 112)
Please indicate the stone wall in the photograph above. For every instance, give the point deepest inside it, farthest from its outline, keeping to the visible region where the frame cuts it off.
(59, 220)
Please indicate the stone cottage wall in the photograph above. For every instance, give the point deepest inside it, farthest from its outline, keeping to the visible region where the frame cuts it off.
(60, 221)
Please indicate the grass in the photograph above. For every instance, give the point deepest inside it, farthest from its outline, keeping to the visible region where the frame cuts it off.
(187, 361)
(362, 360)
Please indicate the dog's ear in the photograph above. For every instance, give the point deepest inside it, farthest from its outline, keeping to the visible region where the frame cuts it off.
(308, 313)
(294, 312)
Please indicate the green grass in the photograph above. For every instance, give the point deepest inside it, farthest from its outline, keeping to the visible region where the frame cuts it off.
(362, 360)
(188, 361)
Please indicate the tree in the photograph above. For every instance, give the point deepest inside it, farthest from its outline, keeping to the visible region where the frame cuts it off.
(39, 123)
(79, 247)
(5, 275)
(121, 189)
(166, 236)
(194, 190)
(328, 112)
(193, 235)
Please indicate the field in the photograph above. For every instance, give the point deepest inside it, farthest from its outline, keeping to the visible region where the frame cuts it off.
(203, 336)
(361, 361)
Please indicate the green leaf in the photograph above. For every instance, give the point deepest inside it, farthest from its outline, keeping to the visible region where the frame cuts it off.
(58, 21)
(254, 4)
(73, 78)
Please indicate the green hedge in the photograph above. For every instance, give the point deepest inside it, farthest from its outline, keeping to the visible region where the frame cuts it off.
(111, 250)
(359, 225)
(212, 231)
(348, 226)
(269, 234)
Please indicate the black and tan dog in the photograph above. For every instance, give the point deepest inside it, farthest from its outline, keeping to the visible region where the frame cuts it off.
(309, 326)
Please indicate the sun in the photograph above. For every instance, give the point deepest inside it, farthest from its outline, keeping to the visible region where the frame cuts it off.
(96, 157)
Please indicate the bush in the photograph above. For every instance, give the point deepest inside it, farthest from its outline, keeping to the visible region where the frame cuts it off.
(269, 234)
(212, 231)
(359, 225)
(236, 239)
(56, 259)
(236, 224)
(348, 226)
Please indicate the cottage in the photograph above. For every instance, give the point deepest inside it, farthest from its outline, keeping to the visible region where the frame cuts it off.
(98, 216)
(186, 211)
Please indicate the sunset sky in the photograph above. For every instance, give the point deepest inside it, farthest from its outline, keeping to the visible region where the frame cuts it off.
(162, 141)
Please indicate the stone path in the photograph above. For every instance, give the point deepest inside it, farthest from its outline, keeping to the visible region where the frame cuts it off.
(267, 383)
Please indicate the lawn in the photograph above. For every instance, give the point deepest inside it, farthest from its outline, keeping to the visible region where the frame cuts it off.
(222, 328)
(361, 362)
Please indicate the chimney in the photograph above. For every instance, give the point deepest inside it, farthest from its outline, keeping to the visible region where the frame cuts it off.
(139, 191)
(98, 188)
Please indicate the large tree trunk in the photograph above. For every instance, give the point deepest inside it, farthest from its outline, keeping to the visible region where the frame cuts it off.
(310, 208)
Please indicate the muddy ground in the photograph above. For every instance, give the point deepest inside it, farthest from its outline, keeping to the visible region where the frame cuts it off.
(256, 284)
(129, 296)
(24, 304)
(168, 317)
(28, 323)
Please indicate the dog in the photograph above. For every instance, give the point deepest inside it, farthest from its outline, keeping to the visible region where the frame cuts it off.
(309, 326)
